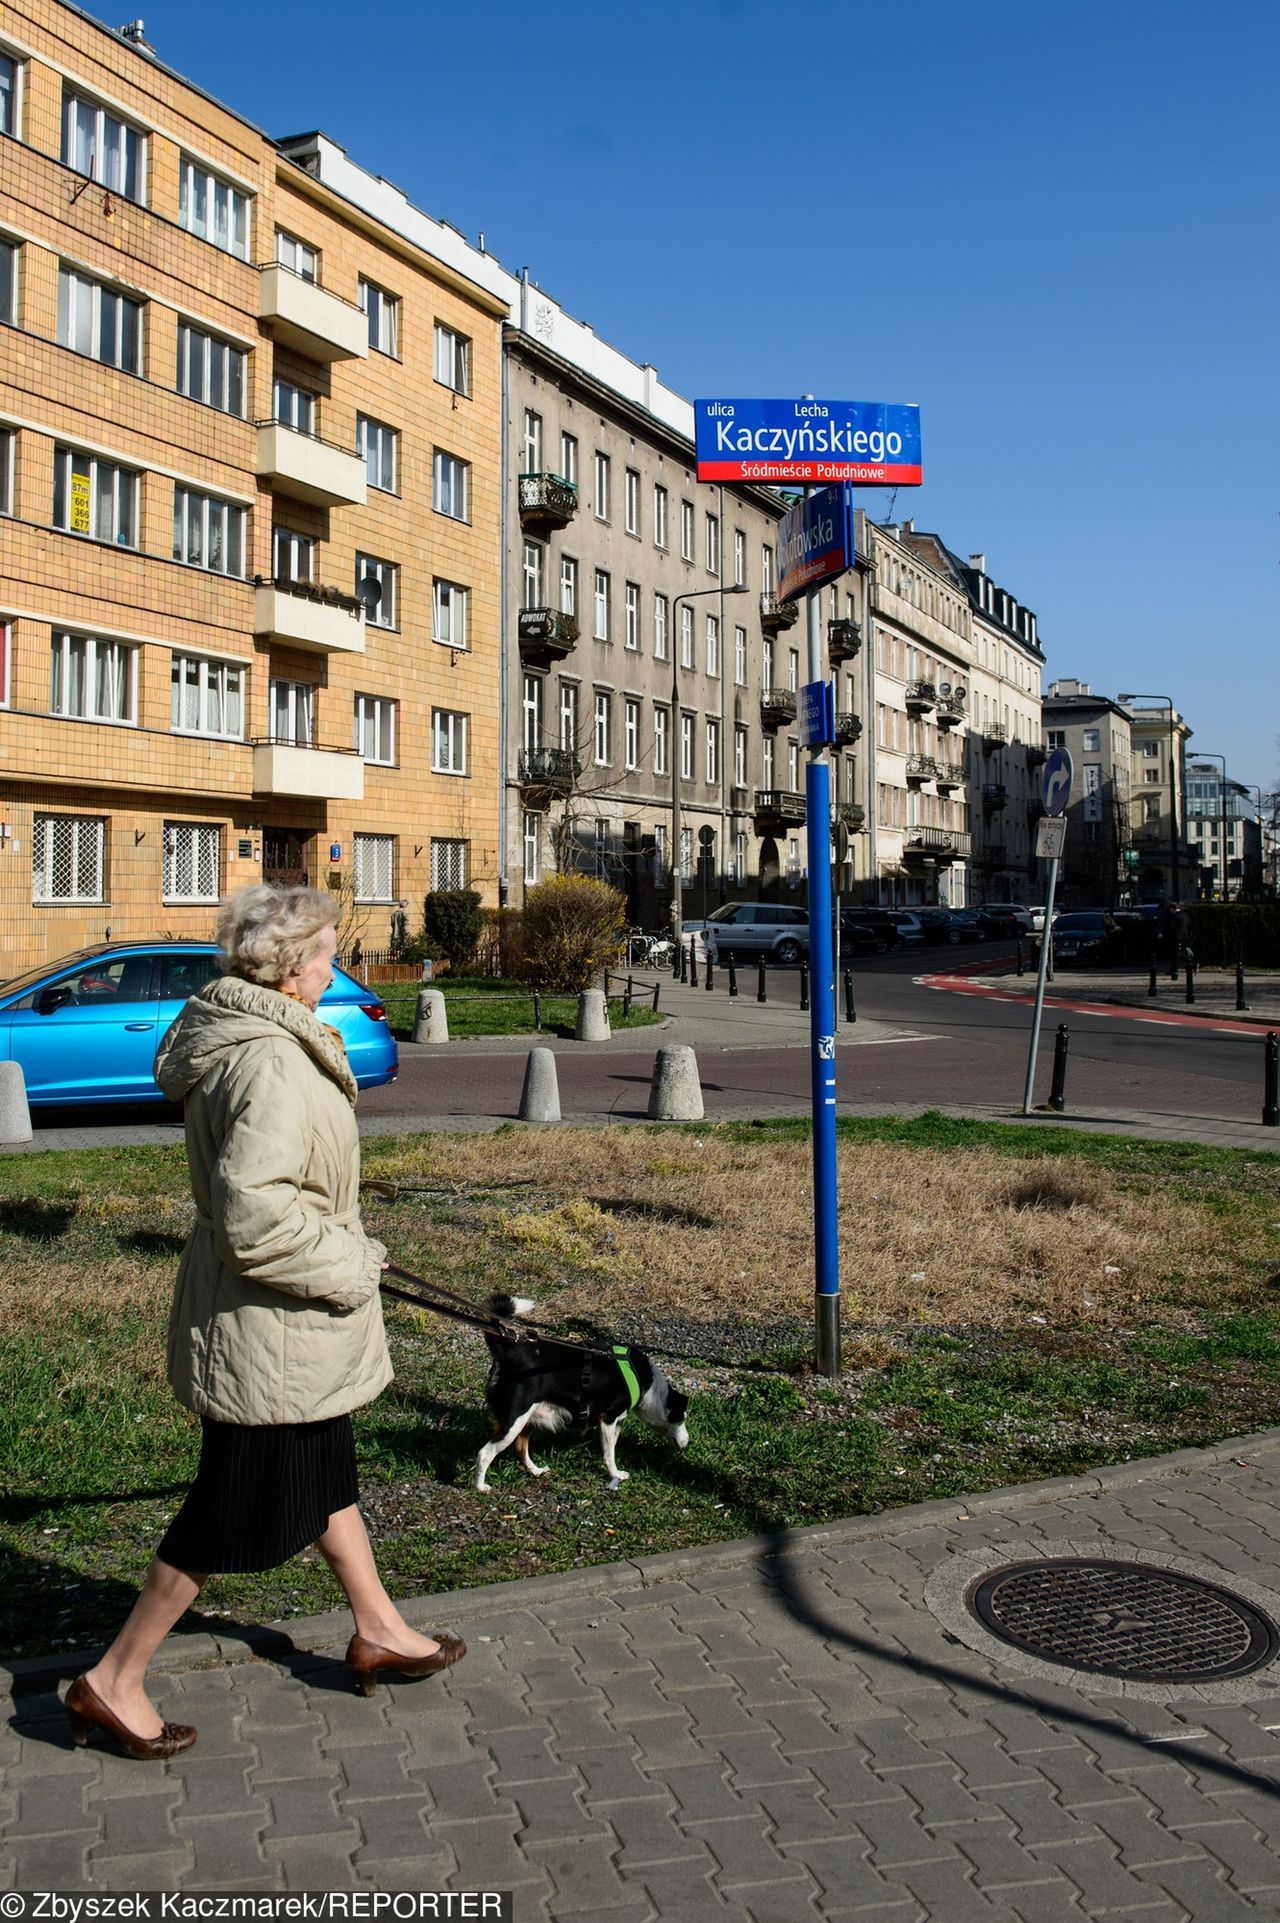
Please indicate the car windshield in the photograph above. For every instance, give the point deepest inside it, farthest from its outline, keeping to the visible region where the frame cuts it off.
(1080, 921)
(34, 976)
(730, 912)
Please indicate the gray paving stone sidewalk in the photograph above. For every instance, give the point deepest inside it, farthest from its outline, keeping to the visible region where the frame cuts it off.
(807, 1726)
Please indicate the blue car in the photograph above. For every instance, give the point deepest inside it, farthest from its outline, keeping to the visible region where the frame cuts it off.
(86, 1028)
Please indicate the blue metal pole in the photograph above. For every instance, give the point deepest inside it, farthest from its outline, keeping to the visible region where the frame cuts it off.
(822, 1041)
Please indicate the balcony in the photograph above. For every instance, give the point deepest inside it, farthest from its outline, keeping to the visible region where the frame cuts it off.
(547, 775)
(993, 736)
(546, 635)
(777, 708)
(547, 501)
(851, 815)
(321, 774)
(921, 696)
(950, 711)
(848, 729)
(1036, 753)
(309, 469)
(941, 846)
(921, 768)
(994, 795)
(950, 775)
(775, 614)
(298, 615)
(844, 638)
(309, 321)
(777, 810)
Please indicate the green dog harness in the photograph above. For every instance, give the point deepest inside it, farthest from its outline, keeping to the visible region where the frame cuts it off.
(627, 1373)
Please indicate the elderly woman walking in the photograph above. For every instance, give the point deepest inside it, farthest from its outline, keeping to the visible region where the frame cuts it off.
(276, 1330)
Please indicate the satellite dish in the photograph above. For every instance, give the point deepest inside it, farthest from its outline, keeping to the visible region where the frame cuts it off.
(368, 593)
(944, 689)
(960, 693)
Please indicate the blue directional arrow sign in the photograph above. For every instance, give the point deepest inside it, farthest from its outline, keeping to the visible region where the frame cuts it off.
(1056, 789)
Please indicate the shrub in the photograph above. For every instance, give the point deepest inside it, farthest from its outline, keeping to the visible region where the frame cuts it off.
(1223, 933)
(500, 948)
(573, 927)
(451, 924)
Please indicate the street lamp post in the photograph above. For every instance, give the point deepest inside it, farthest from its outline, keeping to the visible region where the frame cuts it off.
(677, 877)
(1206, 754)
(1167, 701)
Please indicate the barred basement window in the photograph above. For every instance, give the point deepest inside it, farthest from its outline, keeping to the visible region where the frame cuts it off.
(448, 864)
(373, 857)
(66, 858)
(192, 861)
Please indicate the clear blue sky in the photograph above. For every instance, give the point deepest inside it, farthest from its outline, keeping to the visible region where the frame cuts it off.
(1052, 227)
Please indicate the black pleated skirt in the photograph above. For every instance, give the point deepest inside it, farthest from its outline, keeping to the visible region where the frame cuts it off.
(261, 1494)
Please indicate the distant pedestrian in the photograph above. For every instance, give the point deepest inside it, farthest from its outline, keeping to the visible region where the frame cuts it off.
(276, 1333)
(1167, 935)
(1182, 936)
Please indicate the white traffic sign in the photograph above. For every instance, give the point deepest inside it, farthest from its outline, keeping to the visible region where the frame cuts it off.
(1056, 788)
(1051, 835)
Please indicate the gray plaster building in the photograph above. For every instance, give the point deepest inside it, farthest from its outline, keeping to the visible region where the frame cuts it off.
(1100, 863)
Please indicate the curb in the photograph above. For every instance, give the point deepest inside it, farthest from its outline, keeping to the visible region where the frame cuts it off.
(265, 1642)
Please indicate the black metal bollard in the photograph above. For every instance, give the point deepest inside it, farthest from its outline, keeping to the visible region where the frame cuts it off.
(1019, 952)
(1058, 1090)
(626, 1000)
(733, 978)
(1152, 988)
(693, 961)
(1191, 975)
(804, 985)
(850, 1012)
(684, 962)
(537, 1011)
(1241, 1002)
(1048, 973)
(675, 961)
(708, 978)
(760, 994)
(656, 987)
(1271, 1081)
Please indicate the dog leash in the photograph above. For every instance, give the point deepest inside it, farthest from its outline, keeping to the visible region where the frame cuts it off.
(445, 1302)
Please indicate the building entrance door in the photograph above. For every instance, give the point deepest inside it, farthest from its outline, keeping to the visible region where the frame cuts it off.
(286, 856)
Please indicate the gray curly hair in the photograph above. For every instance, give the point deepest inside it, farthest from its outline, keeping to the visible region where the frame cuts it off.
(267, 933)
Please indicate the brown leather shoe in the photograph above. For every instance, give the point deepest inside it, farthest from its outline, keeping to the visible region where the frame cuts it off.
(86, 1711)
(365, 1659)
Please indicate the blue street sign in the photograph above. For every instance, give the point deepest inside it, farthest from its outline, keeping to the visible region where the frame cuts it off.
(815, 540)
(816, 713)
(1055, 790)
(872, 443)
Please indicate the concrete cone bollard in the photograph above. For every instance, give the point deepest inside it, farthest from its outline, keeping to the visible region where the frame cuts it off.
(15, 1116)
(676, 1092)
(540, 1097)
(430, 1023)
(593, 1016)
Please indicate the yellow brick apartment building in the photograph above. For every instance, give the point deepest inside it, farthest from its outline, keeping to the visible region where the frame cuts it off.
(249, 518)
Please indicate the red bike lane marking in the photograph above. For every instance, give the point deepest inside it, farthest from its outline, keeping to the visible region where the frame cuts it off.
(956, 982)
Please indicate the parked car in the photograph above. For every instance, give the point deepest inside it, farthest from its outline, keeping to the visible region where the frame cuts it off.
(1086, 936)
(909, 926)
(86, 1028)
(1004, 920)
(768, 928)
(964, 924)
(935, 925)
(869, 931)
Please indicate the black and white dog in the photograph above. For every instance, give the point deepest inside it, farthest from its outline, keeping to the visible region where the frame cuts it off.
(549, 1385)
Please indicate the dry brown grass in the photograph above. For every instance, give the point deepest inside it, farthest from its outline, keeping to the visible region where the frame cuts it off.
(711, 1226)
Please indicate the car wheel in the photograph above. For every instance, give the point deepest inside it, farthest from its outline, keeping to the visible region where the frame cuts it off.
(879, 946)
(788, 951)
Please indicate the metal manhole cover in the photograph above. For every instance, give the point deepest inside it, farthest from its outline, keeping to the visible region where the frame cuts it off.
(1124, 1619)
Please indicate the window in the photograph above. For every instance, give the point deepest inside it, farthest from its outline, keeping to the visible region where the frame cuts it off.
(300, 258)
(739, 758)
(293, 406)
(568, 584)
(569, 458)
(602, 731)
(1056, 737)
(8, 95)
(92, 680)
(793, 670)
(602, 487)
(6, 652)
(793, 767)
(660, 612)
(207, 532)
(631, 734)
(448, 864)
(210, 370)
(387, 576)
(631, 637)
(713, 645)
(379, 444)
(660, 868)
(1089, 741)
(531, 712)
(660, 741)
(382, 311)
(713, 545)
(766, 665)
(686, 637)
(631, 501)
(95, 320)
(206, 697)
(453, 359)
(713, 751)
(532, 848)
(8, 283)
(569, 716)
(740, 657)
(1151, 774)
(293, 556)
(531, 443)
(449, 614)
(766, 569)
(531, 575)
(98, 145)
(375, 732)
(67, 858)
(213, 209)
(686, 747)
(449, 485)
(601, 602)
(291, 712)
(95, 498)
(739, 556)
(1151, 749)
(740, 859)
(373, 862)
(686, 530)
(686, 854)
(448, 742)
(659, 515)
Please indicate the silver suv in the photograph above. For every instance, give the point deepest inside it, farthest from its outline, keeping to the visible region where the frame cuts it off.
(757, 928)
